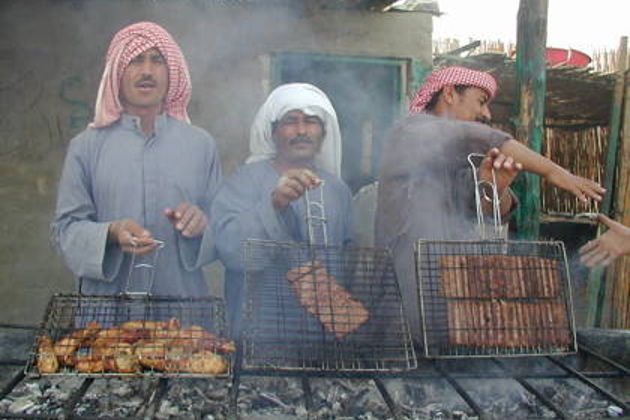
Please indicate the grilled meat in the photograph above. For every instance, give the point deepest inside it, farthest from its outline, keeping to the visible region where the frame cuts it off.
(324, 298)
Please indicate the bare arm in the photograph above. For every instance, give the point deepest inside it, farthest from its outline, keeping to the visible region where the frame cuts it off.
(534, 162)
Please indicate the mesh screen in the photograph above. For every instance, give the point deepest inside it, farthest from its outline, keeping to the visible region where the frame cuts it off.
(323, 308)
(492, 298)
(132, 335)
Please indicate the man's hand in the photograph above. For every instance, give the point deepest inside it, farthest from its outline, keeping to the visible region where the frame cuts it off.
(504, 167)
(131, 237)
(582, 188)
(612, 244)
(188, 219)
(292, 185)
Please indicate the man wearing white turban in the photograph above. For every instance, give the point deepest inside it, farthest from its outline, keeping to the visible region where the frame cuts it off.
(295, 146)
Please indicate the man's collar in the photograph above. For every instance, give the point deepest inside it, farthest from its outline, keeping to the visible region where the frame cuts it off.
(132, 122)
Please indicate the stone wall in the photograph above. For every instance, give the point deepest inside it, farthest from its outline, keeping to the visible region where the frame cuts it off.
(51, 58)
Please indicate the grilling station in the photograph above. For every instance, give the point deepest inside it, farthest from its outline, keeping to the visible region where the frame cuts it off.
(324, 336)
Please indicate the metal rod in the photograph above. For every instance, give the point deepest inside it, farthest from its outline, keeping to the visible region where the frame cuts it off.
(162, 388)
(612, 397)
(605, 359)
(460, 390)
(147, 398)
(393, 408)
(12, 362)
(76, 397)
(525, 384)
(6, 390)
(19, 326)
(232, 412)
(308, 394)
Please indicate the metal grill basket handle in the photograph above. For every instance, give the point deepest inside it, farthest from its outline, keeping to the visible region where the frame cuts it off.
(316, 215)
(496, 204)
(151, 266)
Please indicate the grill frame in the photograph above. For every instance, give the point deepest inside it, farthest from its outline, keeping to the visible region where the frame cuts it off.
(427, 259)
(154, 307)
(313, 342)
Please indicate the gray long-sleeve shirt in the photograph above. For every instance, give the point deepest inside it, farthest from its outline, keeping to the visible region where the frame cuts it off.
(117, 172)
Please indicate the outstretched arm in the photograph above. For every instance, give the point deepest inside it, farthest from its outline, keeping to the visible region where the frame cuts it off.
(534, 162)
(612, 244)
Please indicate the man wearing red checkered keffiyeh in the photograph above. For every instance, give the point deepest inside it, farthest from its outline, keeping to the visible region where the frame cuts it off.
(124, 48)
(139, 181)
(426, 188)
(426, 96)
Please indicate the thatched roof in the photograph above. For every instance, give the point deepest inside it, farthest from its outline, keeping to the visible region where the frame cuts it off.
(576, 97)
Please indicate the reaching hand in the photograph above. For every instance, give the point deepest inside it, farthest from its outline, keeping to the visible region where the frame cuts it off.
(612, 244)
(504, 166)
(131, 237)
(582, 188)
(188, 219)
(292, 185)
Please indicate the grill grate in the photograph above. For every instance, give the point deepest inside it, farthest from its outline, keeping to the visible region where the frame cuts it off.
(132, 335)
(323, 308)
(494, 298)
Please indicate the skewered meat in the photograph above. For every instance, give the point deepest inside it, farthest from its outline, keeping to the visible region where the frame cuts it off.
(123, 349)
(326, 299)
(67, 346)
(151, 353)
(485, 301)
(499, 276)
(124, 360)
(89, 364)
(197, 338)
(507, 324)
(47, 360)
(205, 362)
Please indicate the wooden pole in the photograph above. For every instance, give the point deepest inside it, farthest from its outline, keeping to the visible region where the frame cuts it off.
(530, 107)
(618, 299)
(597, 287)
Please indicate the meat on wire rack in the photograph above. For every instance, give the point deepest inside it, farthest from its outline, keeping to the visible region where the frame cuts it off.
(132, 333)
(318, 307)
(494, 297)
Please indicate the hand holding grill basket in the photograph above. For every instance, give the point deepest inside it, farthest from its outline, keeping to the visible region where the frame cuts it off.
(132, 333)
(492, 296)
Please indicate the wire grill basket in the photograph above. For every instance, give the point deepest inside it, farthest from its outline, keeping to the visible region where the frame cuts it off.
(494, 297)
(321, 308)
(132, 335)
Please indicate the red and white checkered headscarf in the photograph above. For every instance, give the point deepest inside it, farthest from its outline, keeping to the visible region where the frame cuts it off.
(127, 44)
(451, 76)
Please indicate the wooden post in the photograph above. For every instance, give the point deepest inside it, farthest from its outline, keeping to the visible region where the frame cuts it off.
(530, 105)
(621, 288)
(597, 287)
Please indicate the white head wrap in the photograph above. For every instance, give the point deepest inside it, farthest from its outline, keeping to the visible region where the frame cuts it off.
(311, 101)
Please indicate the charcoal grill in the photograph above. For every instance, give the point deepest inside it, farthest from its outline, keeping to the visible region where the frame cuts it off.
(341, 313)
(494, 297)
(132, 334)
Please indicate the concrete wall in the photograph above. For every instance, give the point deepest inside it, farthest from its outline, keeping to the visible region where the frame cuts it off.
(51, 56)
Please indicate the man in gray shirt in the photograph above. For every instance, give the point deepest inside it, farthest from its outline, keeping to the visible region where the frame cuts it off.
(426, 188)
(137, 184)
